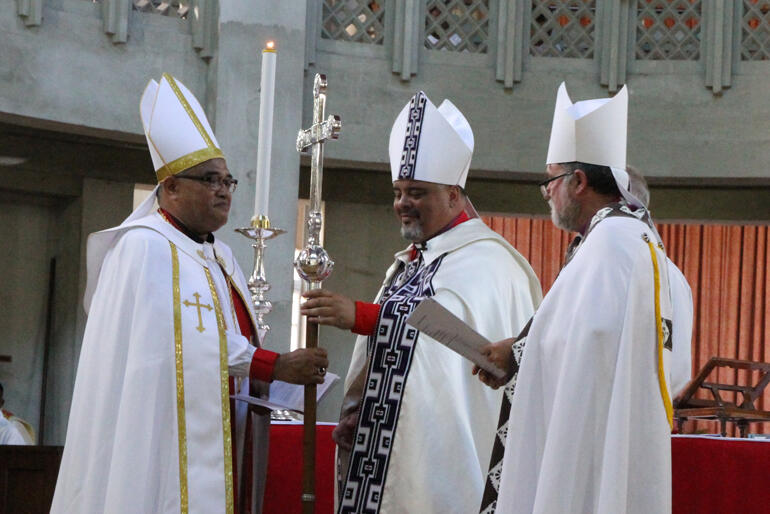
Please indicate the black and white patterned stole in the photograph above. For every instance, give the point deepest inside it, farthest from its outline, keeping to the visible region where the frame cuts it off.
(391, 349)
(492, 485)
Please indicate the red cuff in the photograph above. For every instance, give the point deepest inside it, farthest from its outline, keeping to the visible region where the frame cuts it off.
(366, 318)
(262, 365)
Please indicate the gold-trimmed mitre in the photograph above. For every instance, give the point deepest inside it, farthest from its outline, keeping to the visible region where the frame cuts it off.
(178, 134)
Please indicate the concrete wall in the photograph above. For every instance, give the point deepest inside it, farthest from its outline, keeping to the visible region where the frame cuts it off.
(67, 70)
(245, 27)
(677, 127)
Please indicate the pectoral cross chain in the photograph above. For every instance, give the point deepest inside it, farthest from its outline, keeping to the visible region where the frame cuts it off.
(198, 305)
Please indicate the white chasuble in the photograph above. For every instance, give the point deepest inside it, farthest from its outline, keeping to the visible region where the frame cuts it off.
(149, 427)
(426, 425)
(591, 417)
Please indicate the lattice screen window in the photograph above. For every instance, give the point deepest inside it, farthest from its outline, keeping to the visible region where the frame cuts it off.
(457, 25)
(359, 21)
(563, 28)
(668, 29)
(755, 33)
(179, 8)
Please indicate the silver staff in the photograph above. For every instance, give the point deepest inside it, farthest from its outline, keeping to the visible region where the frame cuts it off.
(314, 265)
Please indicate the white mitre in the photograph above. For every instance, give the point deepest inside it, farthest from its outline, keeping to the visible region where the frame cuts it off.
(178, 133)
(430, 144)
(594, 132)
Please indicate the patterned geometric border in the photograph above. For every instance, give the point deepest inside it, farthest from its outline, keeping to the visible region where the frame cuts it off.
(668, 29)
(178, 8)
(755, 30)
(457, 25)
(563, 28)
(412, 136)
(390, 350)
(357, 21)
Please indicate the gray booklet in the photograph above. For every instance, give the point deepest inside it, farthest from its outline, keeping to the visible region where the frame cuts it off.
(432, 319)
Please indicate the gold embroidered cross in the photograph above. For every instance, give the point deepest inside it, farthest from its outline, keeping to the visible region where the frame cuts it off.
(198, 305)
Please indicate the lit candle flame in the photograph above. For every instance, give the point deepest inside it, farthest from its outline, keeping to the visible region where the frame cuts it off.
(270, 45)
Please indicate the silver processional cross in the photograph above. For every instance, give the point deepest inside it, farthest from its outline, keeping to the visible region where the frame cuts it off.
(314, 265)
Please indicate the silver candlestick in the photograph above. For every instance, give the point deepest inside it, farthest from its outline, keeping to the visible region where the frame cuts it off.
(260, 231)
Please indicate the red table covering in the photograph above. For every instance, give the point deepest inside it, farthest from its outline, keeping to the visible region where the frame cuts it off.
(710, 475)
(283, 490)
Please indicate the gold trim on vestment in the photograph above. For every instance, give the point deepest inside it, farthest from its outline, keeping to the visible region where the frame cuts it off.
(224, 379)
(186, 105)
(659, 331)
(188, 161)
(180, 404)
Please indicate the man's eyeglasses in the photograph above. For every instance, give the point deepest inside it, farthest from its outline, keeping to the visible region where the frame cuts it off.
(214, 182)
(544, 184)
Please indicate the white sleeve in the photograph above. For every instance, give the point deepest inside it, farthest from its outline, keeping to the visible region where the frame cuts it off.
(239, 354)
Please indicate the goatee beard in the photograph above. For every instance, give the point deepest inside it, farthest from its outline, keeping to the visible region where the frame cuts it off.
(412, 232)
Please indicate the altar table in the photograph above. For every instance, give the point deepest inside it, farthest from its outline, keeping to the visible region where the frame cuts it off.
(711, 475)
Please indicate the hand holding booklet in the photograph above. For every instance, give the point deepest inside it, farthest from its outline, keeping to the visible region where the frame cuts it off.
(284, 396)
(432, 319)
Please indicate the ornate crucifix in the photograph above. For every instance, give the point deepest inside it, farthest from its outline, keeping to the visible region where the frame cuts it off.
(314, 265)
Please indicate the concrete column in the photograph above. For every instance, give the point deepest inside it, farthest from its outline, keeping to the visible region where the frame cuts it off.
(512, 41)
(244, 27)
(721, 25)
(115, 19)
(406, 40)
(614, 30)
(31, 11)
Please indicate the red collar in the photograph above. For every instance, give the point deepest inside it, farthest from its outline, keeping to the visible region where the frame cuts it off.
(174, 222)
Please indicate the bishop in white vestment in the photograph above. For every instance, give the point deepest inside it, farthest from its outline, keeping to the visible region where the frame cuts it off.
(152, 427)
(592, 407)
(421, 428)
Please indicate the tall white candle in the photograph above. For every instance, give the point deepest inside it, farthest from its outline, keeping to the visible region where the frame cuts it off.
(265, 138)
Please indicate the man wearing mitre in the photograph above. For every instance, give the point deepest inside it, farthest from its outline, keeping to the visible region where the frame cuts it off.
(170, 336)
(593, 379)
(415, 429)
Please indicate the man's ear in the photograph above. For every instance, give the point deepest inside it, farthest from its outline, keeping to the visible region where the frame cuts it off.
(454, 195)
(581, 181)
(167, 191)
(170, 186)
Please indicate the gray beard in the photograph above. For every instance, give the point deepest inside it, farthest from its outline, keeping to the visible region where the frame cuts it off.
(567, 218)
(413, 232)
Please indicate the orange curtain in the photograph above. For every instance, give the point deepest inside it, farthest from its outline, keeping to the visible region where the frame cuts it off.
(725, 266)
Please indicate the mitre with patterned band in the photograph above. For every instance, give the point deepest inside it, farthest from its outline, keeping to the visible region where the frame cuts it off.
(431, 144)
(178, 134)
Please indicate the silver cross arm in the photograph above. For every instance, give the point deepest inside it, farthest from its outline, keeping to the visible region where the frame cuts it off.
(320, 132)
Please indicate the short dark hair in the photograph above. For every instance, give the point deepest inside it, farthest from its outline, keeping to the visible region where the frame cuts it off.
(600, 178)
